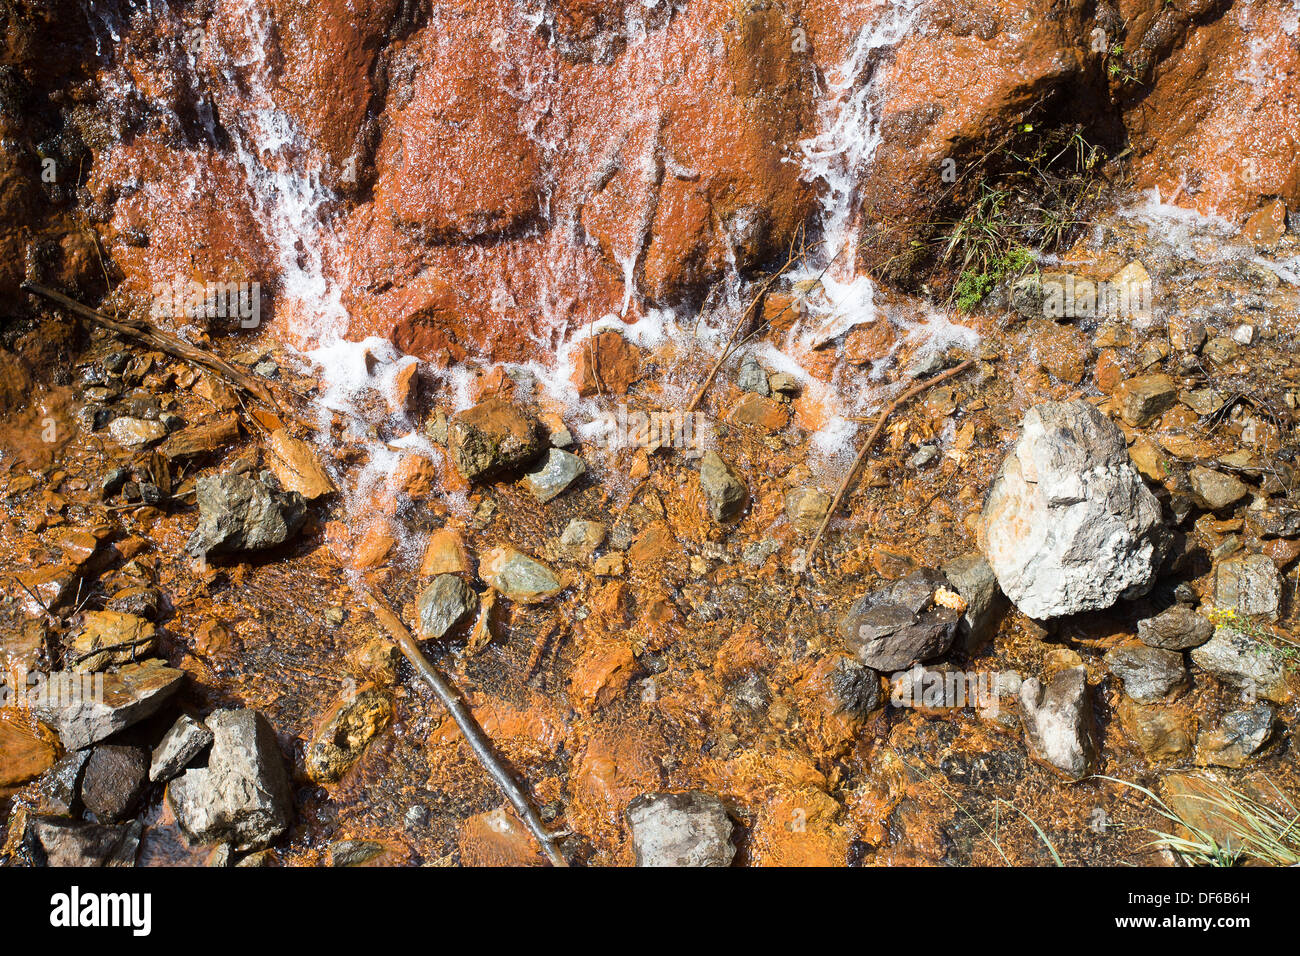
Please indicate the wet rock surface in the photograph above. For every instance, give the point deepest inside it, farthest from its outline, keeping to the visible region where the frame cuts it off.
(558, 471)
(680, 829)
(492, 437)
(61, 843)
(1244, 662)
(237, 513)
(1179, 628)
(724, 493)
(900, 625)
(443, 604)
(1058, 721)
(113, 781)
(242, 796)
(1149, 674)
(656, 649)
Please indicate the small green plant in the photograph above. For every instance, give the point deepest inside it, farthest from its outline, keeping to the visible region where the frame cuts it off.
(1234, 620)
(1041, 178)
(1250, 829)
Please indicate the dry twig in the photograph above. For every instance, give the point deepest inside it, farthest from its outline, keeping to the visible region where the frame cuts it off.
(871, 440)
(478, 741)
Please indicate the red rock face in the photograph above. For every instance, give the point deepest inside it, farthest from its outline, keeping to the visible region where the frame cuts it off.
(1220, 128)
(482, 176)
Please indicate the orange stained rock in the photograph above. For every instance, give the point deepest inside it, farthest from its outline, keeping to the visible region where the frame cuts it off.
(444, 554)
(758, 411)
(653, 544)
(373, 548)
(601, 674)
(497, 838)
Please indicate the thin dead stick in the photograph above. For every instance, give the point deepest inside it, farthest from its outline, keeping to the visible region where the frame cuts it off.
(866, 447)
(478, 741)
(735, 330)
(163, 342)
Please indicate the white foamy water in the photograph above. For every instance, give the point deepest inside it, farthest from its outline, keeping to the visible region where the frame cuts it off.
(358, 378)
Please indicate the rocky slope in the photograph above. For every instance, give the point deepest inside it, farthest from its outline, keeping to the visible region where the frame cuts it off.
(1074, 561)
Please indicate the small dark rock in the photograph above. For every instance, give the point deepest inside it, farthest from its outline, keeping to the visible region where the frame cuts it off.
(114, 779)
(897, 626)
(1179, 628)
(1149, 673)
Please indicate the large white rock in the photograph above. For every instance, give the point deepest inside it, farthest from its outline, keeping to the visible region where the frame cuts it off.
(1068, 524)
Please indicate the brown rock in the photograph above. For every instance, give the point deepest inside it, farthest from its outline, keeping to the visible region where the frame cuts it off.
(870, 342)
(444, 554)
(607, 365)
(1141, 400)
(111, 637)
(201, 439)
(492, 437)
(27, 749)
(345, 731)
(296, 466)
(758, 411)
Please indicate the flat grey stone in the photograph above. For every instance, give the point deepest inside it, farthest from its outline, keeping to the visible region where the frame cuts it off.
(558, 470)
(131, 693)
(444, 603)
(680, 829)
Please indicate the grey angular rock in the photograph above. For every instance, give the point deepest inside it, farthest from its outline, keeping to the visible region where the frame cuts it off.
(1068, 524)
(896, 626)
(238, 513)
(519, 577)
(1149, 674)
(1215, 490)
(242, 796)
(1240, 735)
(444, 603)
(82, 716)
(582, 537)
(680, 829)
(1244, 662)
(1179, 628)
(64, 843)
(972, 577)
(751, 377)
(114, 780)
(724, 493)
(558, 470)
(1249, 584)
(185, 740)
(1058, 721)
